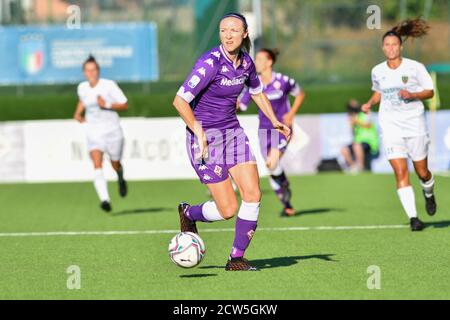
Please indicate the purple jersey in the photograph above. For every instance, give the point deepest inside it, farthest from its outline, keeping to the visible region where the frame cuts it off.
(213, 86)
(278, 91)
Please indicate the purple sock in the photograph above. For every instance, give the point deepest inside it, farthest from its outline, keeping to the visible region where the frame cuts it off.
(282, 195)
(244, 232)
(195, 213)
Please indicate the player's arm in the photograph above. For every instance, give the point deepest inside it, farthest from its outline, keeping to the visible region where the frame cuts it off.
(426, 82)
(200, 77)
(186, 113)
(79, 110)
(375, 99)
(423, 95)
(265, 106)
(289, 117)
(111, 106)
(244, 100)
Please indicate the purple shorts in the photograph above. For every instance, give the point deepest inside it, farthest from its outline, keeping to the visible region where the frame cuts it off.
(271, 139)
(226, 149)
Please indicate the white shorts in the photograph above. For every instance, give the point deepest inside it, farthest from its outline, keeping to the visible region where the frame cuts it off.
(110, 143)
(415, 148)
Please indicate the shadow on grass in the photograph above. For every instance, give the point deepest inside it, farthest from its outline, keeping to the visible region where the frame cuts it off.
(281, 261)
(438, 224)
(204, 275)
(317, 211)
(140, 211)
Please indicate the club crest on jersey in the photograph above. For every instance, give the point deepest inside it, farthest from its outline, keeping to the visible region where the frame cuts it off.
(405, 79)
(218, 171)
(277, 85)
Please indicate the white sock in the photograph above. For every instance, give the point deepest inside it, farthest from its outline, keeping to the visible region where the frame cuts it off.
(408, 201)
(275, 186)
(100, 185)
(428, 187)
(210, 212)
(276, 171)
(249, 211)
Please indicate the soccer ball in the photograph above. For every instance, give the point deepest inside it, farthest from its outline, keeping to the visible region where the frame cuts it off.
(187, 249)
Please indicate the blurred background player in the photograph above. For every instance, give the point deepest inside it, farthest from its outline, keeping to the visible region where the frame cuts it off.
(99, 100)
(277, 87)
(364, 148)
(207, 103)
(400, 85)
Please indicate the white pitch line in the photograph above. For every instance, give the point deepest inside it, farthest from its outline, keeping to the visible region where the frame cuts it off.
(143, 232)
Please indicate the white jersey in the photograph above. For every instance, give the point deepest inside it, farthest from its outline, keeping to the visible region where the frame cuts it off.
(99, 119)
(398, 117)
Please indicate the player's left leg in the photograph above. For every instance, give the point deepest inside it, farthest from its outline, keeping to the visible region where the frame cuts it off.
(246, 178)
(427, 182)
(115, 151)
(278, 181)
(100, 183)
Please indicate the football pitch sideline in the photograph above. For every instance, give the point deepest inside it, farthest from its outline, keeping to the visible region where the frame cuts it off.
(349, 239)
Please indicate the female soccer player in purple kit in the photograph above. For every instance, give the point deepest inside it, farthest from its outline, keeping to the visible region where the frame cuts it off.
(217, 145)
(277, 87)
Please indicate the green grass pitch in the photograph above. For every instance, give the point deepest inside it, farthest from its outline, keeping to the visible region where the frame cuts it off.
(309, 263)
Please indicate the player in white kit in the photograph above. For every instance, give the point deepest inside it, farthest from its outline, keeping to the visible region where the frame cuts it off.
(99, 101)
(400, 85)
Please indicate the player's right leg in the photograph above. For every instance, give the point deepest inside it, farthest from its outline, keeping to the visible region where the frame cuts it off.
(223, 207)
(279, 182)
(100, 183)
(406, 192)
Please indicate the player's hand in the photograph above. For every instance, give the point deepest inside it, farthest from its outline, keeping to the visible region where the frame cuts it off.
(103, 104)
(406, 95)
(79, 118)
(366, 108)
(203, 147)
(283, 129)
(288, 119)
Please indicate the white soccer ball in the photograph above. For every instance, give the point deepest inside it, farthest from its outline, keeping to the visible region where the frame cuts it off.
(187, 249)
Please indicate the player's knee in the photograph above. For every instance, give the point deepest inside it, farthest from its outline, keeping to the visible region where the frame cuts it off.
(229, 211)
(251, 195)
(424, 174)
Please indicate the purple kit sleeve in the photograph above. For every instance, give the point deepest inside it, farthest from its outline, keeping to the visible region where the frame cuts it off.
(201, 76)
(245, 99)
(254, 84)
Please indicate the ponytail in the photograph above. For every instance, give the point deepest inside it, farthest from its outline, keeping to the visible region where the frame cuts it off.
(415, 28)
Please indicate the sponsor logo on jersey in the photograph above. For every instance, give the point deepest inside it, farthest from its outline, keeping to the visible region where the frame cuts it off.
(207, 177)
(224, 69)
(202, 71)
(250, 234)
(236, 81)
(194, 81)
(210, 62)
(202, 167)
(274, 95)
(218, 171)
(405, 79)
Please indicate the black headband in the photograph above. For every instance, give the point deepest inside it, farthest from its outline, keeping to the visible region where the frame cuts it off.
(238, 16)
